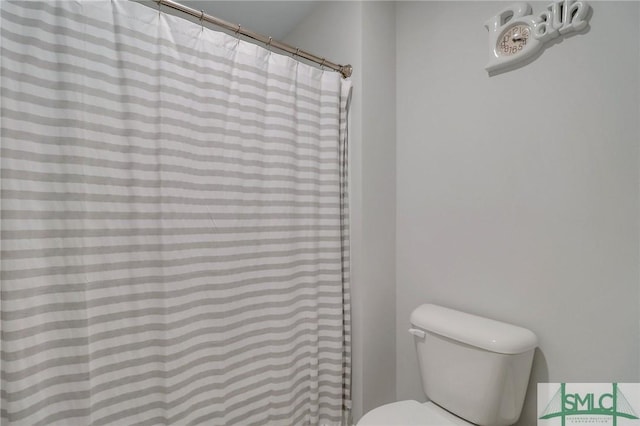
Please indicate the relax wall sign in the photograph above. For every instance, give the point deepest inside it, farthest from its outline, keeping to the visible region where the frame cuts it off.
(516, 34)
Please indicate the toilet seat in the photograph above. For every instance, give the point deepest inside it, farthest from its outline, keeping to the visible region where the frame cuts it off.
(410, 413)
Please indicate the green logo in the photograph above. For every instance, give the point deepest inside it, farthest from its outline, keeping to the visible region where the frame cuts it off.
(613, 404)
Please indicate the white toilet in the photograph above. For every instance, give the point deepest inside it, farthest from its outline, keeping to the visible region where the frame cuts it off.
(474, 371)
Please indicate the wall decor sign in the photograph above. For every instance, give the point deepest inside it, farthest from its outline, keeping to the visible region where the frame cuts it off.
(516, 34)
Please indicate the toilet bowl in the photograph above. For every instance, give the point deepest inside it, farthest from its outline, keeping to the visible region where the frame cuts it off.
(411, 413)
(474, 371)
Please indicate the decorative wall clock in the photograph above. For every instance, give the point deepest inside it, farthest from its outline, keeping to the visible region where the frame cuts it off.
(515, 34)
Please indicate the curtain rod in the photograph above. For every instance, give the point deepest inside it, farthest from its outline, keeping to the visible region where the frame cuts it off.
(345, 70)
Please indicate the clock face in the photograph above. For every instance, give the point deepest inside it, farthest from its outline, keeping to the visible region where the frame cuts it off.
(513, 39)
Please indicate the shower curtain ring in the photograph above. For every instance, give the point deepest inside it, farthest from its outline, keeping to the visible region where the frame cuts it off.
(322, 64)
(202, 20)
(269, 46)
(237, 33)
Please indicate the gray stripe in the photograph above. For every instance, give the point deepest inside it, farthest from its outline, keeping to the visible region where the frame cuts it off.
(45, 365)
(243, 417)
(290, 418)
(158, 215)
(266, 394)
(143, 199)
(70, 287)
(132, 265)
(55, 398)
(159, 231)
(137, 312)
(73, 178)
(159, 247)
(207, 358)
(215, 418)
(70, 324)
(243, 374)
(196, 116)
(266, 383)
(166, 406)
(164, 134)
(159, 327)
(18, 154)
(131, 362)
(155, 152)
(189, 125)
(126, 98)
(43, 385)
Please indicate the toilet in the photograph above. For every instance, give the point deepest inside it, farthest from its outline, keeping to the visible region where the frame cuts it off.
(474, 371)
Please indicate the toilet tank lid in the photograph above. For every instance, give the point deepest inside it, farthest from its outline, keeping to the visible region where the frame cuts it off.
(485, 333)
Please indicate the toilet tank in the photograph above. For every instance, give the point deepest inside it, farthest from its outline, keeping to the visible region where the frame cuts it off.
(474, 367)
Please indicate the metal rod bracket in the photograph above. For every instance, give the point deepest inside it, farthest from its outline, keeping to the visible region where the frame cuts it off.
(345, 70)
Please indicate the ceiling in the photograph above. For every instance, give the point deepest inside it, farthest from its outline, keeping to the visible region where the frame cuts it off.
(271, 18)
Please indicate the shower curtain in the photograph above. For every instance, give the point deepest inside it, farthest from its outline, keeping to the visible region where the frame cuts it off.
(174, 224)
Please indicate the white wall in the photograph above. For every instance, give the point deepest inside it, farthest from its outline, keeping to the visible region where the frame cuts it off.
(377, 288)
(517, 195)
(363, 35)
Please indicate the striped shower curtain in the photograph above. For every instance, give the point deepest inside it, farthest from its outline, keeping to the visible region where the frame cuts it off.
(174, 224)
